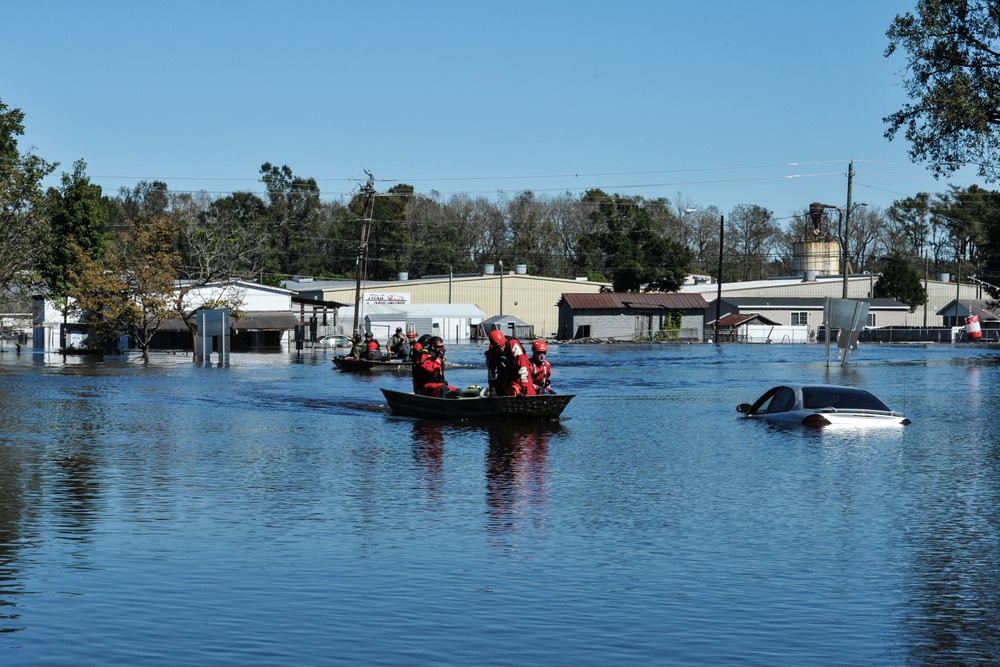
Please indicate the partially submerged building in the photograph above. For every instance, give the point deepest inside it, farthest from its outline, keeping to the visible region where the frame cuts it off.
(632, 316)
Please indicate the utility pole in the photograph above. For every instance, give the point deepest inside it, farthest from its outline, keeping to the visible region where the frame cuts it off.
(847, 226)
(718, 295)
(368, 190)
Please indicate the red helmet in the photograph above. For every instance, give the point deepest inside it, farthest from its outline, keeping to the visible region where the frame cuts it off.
(540, 346)
(411, 334)
(497, 338)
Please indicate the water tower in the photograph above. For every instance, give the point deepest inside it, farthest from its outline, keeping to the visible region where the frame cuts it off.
(818, 252)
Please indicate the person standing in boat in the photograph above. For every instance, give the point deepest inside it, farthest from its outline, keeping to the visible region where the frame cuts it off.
(541, 369)
(508, 366)
(428, 370)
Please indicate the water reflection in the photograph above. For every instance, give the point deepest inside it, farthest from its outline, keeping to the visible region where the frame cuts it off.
(428, 452)
(12, 508)
(517, 475)
(954, 535)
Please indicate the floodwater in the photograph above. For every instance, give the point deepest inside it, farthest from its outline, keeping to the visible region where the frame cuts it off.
(272, 513)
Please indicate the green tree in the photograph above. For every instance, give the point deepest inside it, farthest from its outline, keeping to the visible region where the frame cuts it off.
(78, 222)
(293, 208)
(910, 225)
(441, 236)
(953, 79)
(901, 282)
(628, 245)
(227, 241)
(147, 198)
(130, 290)
(388, 237)
(22, 218)
(965, 214)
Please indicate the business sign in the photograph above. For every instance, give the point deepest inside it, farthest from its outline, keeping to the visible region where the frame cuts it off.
(388, 298)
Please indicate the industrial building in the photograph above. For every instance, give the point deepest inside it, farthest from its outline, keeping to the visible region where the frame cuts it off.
(531, 299)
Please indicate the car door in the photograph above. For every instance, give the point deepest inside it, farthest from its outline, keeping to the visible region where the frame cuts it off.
(783, 401)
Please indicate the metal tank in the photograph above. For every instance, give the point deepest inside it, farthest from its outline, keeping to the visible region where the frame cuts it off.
(816, 257)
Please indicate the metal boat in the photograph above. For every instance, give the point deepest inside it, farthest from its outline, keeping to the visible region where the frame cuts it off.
(478, 407)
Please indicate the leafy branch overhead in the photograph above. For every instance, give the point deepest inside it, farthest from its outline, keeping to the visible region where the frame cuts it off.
(952, 77)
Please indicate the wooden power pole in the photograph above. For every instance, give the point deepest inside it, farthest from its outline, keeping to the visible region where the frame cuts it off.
(368, 190)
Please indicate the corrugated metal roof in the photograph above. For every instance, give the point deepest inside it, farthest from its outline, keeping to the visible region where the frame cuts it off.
(785, 302)
(738, 319)
(640, 300)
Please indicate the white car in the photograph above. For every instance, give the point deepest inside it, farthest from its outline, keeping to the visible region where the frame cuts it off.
(821, 406)
(334, 341)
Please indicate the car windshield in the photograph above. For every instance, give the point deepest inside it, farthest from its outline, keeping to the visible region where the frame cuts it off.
(814, 398)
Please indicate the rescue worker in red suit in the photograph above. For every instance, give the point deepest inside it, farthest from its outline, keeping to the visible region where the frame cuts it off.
(541, 370)
(508, 366)
(428, 370)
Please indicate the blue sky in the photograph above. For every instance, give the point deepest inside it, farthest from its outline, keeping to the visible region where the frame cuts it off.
(708, 103)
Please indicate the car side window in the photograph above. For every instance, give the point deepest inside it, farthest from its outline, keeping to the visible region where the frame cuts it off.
(782, 402)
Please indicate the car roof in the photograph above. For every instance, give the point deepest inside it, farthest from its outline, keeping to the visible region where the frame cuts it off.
(839, 387)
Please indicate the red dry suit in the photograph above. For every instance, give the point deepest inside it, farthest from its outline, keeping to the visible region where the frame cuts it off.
(509, 369)
(541, 374)
(428, 375)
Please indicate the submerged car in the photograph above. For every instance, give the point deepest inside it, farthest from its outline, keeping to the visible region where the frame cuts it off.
(820, 406)
(334, 341)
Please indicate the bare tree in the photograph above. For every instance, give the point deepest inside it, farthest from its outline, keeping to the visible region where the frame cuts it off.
(868, 242)
(754, 238)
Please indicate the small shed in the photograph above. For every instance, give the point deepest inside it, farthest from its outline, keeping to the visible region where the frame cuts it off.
(509, 325)
(755, 328)
(632, 316)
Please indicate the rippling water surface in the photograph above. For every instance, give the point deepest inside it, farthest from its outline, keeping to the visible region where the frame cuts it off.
(273, 513)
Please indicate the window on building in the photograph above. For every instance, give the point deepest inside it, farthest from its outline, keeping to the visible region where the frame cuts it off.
(871, 320)
(583, 331)
(799, 319)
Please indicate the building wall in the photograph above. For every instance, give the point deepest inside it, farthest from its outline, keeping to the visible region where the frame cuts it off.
(532, 299)
(939, 294)
(256, 298)
(783, 316)
(47, 322)
(624, 325)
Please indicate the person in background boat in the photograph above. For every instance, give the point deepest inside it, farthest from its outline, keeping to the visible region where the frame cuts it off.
(397, 345)
(428, 370)
(418, 346)
(508, 367)
(411, 342)
(372, 348)
(357, 348)
(541, 369)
